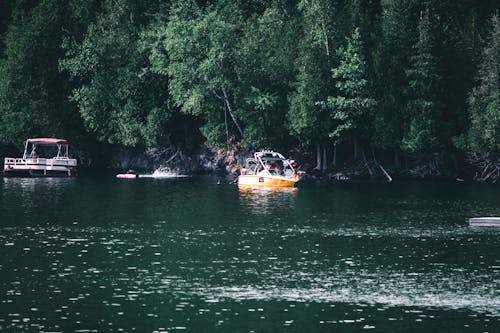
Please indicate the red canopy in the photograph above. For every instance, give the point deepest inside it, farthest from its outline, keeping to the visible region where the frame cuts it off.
(48, 141)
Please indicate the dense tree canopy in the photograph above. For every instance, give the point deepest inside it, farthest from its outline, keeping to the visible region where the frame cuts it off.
(119, 98)
(422, 110)
(351, 108)
(314, 61)
(397, 75)
(484, 100)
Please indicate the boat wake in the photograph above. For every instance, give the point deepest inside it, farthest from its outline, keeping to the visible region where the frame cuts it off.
(409, 298)
(164, 173)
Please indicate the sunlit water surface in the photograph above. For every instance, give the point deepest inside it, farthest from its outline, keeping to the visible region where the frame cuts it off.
(97, 254)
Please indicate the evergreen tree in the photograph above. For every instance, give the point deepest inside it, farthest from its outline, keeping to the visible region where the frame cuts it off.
(321, 24)
(484, 100)
(351, 110)
(305, 119)
(392, 58)
(423, 108)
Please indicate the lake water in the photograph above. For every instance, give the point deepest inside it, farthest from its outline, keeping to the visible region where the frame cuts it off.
(98, 254)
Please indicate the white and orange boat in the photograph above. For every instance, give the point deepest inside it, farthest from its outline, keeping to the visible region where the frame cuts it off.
(42, 157)
(269, 169)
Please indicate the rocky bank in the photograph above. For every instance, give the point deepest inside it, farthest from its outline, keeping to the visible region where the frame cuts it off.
(223, 162)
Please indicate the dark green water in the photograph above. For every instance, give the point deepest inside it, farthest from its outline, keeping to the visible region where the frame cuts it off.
(96, 254)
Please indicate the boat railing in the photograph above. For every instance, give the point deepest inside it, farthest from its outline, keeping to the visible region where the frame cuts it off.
(42, 161)
(63, 160)
(10, 160)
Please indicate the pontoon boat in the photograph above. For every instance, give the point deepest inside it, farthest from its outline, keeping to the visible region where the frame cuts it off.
(42, 157)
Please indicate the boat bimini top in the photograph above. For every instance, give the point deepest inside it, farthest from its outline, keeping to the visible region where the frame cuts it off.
(30, 147)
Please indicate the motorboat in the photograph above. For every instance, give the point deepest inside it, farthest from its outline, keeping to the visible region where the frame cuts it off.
(42, 157)
(269, 169)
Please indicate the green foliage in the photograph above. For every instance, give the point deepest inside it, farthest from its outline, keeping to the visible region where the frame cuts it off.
(265, 69)
(351, 110)
(33, 93)
(231, 69)
(201, 45)
(484, 100)
(30, 81)
(119, 98)
(252, 74)
(423, 107)
(305, 117)
(321, 28)
(392, 56)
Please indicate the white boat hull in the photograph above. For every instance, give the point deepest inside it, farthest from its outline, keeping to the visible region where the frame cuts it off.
(40, 167)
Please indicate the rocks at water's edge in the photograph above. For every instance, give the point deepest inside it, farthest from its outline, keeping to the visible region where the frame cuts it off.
(229, 163)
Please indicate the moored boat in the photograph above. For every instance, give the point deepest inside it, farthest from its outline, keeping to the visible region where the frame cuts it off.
(269, 169)
(42, 157)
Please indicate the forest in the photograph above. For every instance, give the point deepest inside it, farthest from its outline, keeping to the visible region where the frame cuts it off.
(381, 78)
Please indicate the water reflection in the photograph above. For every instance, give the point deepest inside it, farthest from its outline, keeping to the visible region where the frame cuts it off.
(262, 200)
(32, 197)
(35, 184)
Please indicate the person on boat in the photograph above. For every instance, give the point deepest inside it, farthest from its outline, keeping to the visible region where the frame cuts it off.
(278, 169)
(273, 168)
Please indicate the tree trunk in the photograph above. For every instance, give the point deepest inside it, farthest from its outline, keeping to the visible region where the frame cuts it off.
(366, 163)
(318, 157)
(334, 158)
(453, 158)
(324, 166)
(389, 178)
(373, 154)
(355, 148)
(227, 129)
(325, 40)
(397, 159)
(230, 110)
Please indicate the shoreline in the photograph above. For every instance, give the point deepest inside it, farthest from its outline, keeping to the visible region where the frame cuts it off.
(203, 160)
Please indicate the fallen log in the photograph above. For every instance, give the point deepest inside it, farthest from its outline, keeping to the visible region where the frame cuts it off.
(389, 178)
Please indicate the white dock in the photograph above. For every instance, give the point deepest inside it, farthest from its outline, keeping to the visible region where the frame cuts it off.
(485, 221)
